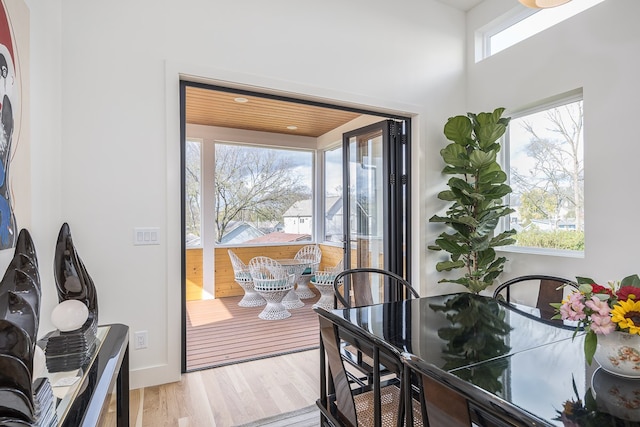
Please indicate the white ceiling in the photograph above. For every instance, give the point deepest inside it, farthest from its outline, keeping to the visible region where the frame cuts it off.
(463, 5)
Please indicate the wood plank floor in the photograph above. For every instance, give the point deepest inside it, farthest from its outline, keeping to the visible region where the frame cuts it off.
(219, 332)
(227, 396)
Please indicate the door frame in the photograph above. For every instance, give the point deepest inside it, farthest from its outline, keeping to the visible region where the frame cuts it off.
(183, 84)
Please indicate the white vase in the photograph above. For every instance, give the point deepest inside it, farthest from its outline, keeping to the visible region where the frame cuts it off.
(616, 395)
(619, 353)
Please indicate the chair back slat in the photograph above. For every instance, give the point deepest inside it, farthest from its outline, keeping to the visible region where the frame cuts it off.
(344, 399)
(366, 286)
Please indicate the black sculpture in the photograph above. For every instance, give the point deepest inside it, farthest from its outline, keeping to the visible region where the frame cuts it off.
(68, 350)
(22, 401)
(72, 279)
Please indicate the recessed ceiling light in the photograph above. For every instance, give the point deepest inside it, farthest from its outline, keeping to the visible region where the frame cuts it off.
(292, 127)
(241, 100)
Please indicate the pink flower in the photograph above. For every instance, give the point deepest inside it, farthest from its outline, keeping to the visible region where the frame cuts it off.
(598, 306)
(602, 324)
(573, 308)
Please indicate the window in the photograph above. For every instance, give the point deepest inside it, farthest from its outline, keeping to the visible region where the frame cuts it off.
(521, 25)
(545, 149)
(333, 195)
(193, 190)
(261, 193)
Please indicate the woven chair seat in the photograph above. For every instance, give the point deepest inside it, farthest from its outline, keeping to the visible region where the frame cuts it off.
(389, 400)
(272, 285)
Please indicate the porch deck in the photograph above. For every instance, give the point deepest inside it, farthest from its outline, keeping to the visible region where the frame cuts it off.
(219, 332)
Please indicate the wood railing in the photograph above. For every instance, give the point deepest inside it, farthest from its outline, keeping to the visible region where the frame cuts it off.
(225, 285)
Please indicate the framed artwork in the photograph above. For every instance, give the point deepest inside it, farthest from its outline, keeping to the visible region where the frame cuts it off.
(15, 171)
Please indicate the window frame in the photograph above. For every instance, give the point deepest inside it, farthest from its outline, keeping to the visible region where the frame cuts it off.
(322, 199)
(520, 14)
(556, 101)
(313, 189)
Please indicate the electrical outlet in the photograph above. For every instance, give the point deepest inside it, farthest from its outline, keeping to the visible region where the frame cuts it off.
(140, 340)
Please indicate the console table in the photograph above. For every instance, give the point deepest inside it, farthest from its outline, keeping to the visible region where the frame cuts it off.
(83, 394)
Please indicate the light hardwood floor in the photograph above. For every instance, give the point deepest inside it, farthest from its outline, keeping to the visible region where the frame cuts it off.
(228, 395)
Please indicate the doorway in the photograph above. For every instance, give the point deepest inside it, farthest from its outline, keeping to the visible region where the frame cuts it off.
(227, 110)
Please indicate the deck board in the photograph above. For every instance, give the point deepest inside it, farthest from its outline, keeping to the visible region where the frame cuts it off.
(219, 332)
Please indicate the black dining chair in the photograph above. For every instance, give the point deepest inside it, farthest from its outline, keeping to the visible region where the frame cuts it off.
(375, 404)
(533, 295)
(359, 287)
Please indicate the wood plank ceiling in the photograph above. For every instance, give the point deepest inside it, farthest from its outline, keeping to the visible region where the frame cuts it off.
(218, 108)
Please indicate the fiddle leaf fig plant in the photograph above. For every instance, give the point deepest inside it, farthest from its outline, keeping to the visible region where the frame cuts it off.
(477, 188)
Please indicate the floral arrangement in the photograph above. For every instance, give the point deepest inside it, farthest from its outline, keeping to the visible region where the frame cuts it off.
(600, 310)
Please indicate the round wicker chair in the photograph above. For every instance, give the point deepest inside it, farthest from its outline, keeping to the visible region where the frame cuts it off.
(312, 255)
(272, 282)
(243, 278)
(323, 282)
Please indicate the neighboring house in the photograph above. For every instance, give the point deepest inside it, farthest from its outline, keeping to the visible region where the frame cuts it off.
(240, 232)
(298, 218)
(333, 219)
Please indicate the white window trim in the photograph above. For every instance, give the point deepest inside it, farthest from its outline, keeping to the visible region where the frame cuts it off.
(556, 101)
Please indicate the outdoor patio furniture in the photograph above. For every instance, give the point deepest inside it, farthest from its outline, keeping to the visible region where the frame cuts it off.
(323, 282)
(243, 278)
(311, 254)
(272, 282)
(294, 267)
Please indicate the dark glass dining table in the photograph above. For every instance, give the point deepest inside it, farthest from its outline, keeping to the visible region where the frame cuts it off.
(497, 357)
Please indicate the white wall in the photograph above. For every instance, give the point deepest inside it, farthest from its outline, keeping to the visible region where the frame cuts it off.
(105, 96)
(595, 50)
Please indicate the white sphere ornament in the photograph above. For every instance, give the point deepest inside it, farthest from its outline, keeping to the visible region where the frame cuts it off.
(69, 315)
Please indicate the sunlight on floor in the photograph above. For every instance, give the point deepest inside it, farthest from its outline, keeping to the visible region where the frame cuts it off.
(205, 312)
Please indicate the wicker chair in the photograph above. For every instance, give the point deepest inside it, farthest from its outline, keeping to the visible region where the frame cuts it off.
(323, 282)
(349, 406)
(243, 278)
(313, 255)
(272, 282)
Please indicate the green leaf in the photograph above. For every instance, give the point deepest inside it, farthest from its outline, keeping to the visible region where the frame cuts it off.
(487, 135)
(458, 129)
(490, 175)
(631, 281)
(590, 343)
(497, 113)
(455, 157)
(449, 246)
(447, 195)
(584, 280)
(497, 191)
(434, 248)
(480, 159)
(486, 257)
(449, 265)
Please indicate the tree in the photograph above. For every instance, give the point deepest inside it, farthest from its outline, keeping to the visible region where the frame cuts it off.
(558, 171)
(192, 187)
(255, 184)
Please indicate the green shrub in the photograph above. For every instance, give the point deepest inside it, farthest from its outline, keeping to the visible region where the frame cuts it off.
(559, 239)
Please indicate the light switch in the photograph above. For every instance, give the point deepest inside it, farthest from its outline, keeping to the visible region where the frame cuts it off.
(146, 236)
